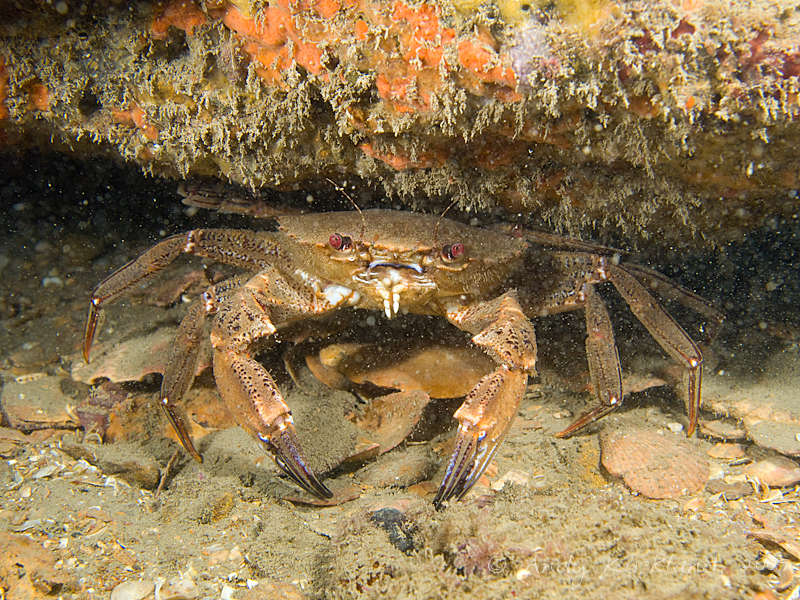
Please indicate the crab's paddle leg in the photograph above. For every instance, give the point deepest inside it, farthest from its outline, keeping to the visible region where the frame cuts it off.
(666, 331)
(246, 387)
(604, 367)
(505, 333)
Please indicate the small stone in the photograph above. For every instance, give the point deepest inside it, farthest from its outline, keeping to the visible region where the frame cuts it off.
(776, 471)
(726, 451)
(775, 435)
(722, 430)
(37, 404)
(511, 477)
(226, 593)
(675, 427)
(179, 588)
(654, 464)
(132, 590)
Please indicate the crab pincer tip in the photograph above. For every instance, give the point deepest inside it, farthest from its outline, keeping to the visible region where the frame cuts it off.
(285, 448)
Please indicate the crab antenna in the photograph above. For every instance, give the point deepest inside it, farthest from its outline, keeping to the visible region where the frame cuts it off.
(436, 227)
(344, 193)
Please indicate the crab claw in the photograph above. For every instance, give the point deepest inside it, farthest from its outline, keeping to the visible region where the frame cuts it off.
(484, 418)
(285, 449)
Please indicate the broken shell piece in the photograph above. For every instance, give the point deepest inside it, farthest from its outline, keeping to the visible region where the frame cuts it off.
(775, 471)
(722, 430)
(132, 359)
(774, 435)
(38, 404)
(327, 375)
(786, 539)
(440, 371)
(11, 442)
(654, 464)
(726, 451)
(341, 494)
(388, 420)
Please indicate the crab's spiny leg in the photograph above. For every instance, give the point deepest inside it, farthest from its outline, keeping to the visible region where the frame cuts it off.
(604, 367)
(231, 246)
(182, 361)
(504, 332)
(666, 331)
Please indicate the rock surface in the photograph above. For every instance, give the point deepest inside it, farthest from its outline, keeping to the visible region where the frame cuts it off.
(632, 115)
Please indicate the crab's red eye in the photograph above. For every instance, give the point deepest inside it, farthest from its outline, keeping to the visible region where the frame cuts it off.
(452, 251)
(339, 241)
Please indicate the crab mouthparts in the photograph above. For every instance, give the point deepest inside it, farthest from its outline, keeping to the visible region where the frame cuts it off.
(390, 282)
(377, 263)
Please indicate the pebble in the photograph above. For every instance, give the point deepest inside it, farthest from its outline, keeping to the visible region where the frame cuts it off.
(726, 451)
(776, 471)
(226, 593)
(511, 477)
(654, 464)
(132, 590)
(179, 588)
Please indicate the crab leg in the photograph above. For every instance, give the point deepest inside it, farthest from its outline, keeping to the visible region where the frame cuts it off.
(673, 291)
(505, 333)
(235, 247)
(182, 362)
(604, 367)
(666, 331)
(248, 390)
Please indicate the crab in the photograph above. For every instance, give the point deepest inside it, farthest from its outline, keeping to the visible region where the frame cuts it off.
(486, 282)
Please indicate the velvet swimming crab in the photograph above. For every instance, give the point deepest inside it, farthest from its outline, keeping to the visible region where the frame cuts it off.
(486, 282)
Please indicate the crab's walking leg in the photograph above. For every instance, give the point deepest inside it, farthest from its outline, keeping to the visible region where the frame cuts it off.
(231, 246)
(671, 290)
(603, 358)
(182, 361)
(666, 331)
(266, 302)
(506, 334)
